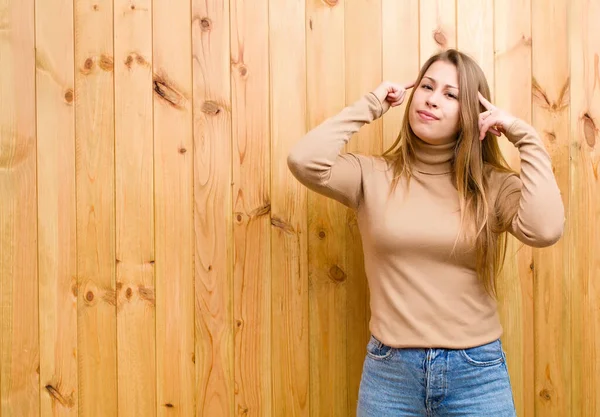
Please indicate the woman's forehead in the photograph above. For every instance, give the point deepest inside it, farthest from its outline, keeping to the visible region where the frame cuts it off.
(442, 72)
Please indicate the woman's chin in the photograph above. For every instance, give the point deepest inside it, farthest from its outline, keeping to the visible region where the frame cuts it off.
(429, 137)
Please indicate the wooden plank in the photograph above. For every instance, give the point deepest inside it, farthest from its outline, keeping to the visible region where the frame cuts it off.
(173, 207)
(251, 206)
(326, 218)
(19, 340)
(584, 240)
(512, 92)
(289, 253)
(56, 208)
(437, 27)
(213, 217)
(134, 208)
(94, 135)
(362, 76)
(475, 35)
(400, 46)
(552, 284)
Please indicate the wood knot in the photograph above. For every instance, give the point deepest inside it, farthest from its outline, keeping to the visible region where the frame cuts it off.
(88, 64)
(440, 38)
(243, 70)
(336, 274)
(119, 286)
(169, 405)
(74, 289)
(205, 24)
(168, 93)
(133, 7)
(128, 293)
(589, 130)
(147, 294)
(140, 60)
(69, 96)
(89, 296)
(210, 107)
(106, 63)
(182, 150)
(321, 234)
(129, 61)
(209, 268)
(57, 396)
(238, 323)
(239, 217)
(550, 135)
(95, 7)
(545, 394)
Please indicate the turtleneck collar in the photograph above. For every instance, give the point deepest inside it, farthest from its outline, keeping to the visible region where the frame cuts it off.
(433, 159)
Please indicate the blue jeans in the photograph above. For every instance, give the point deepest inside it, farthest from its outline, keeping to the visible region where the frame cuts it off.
(435, 382)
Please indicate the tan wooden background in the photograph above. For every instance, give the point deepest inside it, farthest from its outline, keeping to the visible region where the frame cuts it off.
(158, 258)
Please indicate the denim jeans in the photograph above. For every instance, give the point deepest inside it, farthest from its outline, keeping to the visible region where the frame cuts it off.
(435, 382)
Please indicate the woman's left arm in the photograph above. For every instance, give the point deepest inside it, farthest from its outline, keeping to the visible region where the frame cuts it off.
(529, 205)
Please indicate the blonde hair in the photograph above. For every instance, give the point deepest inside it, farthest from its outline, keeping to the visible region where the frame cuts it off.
(470, 155)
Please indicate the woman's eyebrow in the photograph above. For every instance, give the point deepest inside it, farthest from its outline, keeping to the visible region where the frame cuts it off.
(432, 79)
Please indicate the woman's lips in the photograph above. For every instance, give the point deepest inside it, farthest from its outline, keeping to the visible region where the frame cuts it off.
(425, 115)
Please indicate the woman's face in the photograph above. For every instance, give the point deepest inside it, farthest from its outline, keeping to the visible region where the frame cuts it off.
(434, 111)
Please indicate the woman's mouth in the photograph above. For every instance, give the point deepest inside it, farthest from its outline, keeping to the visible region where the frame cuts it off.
(425, 115)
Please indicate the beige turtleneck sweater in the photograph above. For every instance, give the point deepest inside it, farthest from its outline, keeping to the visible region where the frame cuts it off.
(422, 295)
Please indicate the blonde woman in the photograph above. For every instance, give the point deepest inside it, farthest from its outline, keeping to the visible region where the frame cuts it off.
(433, 212)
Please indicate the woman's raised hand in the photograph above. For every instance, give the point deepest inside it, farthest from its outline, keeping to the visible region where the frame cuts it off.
(493, 119)
(391, 94)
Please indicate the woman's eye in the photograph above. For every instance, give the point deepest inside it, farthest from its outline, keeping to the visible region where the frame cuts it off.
(427, 87)
(452, 96)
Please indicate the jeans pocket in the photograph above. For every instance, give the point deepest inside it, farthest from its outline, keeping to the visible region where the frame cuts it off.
(485, 355)
(377, 350)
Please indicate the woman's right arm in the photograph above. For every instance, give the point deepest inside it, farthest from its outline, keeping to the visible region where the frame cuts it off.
(316, 160)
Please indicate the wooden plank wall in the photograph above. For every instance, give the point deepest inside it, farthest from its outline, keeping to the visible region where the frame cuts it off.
(158, 258)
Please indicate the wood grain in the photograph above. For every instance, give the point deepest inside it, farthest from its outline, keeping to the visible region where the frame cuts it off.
(584, 212)
(362, 76)
(213, 217)
(400, 56)
(475, 34)
(56, 209)
(512, 92)
(251, 206)
(289, 252)
(552, 288)
(134, 176)
(327, 266)
(152, 232)
(174, 208)
(95, 167)
(19, 337)
(437, 26)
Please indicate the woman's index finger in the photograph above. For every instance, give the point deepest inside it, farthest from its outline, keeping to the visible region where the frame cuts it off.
(485, 102)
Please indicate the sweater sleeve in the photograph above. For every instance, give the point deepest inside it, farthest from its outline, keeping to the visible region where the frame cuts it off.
(530, 204)
(316, 159)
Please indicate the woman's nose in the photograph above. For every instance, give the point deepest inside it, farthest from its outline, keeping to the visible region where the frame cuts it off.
(431, 101)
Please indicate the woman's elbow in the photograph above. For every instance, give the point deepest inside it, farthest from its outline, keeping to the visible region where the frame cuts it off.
(294, 163)
(549, 235)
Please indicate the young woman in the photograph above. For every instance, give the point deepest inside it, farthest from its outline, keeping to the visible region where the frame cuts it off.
(433, 213)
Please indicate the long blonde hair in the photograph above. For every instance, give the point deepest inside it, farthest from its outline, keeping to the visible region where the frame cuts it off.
(470, 155)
